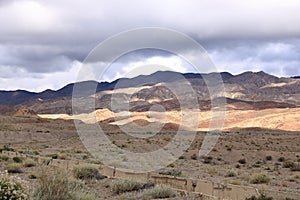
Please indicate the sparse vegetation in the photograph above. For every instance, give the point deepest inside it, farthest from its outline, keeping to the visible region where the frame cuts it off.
(172, 172)
(220, 163)
(288, 164)
(260, 179)
(242, 161)
(29, 163)
(122, 186)
(207, 159)
(269, 158)
(85, 196)
(17, 159)
(160, 192)
(194, 157)
(4, 158)
(231, 173)
(261, 197)
(295, 167)
(7, 148)
(14, 168)
(56, 185)
(53, 156)
(281, 159)
(87, 172)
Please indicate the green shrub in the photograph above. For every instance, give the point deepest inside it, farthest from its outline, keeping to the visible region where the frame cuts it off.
(14, 168)
(87, 172)
(260, 179)
(12, 188)
(56, 185)
(122, 186)
(172, 172)
(17, 159)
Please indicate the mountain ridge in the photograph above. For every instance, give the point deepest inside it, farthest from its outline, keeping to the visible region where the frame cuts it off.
(241, 91)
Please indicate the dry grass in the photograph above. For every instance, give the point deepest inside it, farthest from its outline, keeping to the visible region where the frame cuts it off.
(14, 168)
(122, 186)
(260, 179)
(86, 171)
(160, 192)
(29, 163)
(55, 185)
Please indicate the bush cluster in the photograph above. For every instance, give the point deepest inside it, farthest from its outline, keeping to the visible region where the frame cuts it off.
(12, 188)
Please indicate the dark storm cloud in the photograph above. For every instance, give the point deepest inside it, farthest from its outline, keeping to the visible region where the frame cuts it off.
(44, 37)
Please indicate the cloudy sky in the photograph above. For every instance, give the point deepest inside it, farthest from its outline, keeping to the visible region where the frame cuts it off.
(43, 43)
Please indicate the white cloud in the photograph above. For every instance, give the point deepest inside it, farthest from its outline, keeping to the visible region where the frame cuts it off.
(30, 81)
(28, 17)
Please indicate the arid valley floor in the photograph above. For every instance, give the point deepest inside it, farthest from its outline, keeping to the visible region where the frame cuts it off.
(238, 158)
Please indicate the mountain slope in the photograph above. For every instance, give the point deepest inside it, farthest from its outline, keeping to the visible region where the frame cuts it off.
(249, 90)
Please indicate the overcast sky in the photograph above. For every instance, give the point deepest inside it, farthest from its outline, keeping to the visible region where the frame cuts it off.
(43, 43)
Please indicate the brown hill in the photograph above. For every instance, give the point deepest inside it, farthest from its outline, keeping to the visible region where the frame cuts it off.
(24, 111)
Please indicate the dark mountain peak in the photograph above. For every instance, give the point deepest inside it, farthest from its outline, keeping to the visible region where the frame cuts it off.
(261, 73)
(254, 80)
(296, 77)
(264, 74)
(226, 75)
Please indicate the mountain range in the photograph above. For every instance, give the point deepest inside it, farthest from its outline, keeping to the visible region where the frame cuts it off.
(256, 96)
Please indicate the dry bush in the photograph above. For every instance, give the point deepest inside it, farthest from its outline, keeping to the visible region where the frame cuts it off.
(87, 172)
(194, 157)
(231, 173)
(260, 179)
(172, 172)
(85, 196)
(4, 158)
(242, 161)
(261, 197)
(269, 158)
(159, 192)
(56, 185)
(288, 164)
(14, 168)
(122, 186)
(29, 163)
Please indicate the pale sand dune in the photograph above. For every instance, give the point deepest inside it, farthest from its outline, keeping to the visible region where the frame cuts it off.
(98, 115)
(280, 84)
(284, 119)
